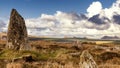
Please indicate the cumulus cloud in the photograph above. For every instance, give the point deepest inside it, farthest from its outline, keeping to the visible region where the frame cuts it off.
(60, 23)
(2, 25)
(94, 8)
(116, 19)
(63, 24)
(115, 8)
(96, 23)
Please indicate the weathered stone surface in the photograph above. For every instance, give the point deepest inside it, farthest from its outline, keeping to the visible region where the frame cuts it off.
(17, 33)
(87, 61)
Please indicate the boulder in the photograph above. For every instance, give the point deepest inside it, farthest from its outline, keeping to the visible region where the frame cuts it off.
(17, 37)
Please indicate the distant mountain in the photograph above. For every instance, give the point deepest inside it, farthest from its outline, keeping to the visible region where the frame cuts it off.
(110, 37)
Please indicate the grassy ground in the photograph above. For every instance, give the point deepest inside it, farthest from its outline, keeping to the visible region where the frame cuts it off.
(56, 54)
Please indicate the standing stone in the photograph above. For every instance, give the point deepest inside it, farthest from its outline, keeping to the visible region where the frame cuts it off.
(17, 33)
(86, 60)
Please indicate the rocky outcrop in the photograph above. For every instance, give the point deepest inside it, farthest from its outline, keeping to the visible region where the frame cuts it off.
(87, 61)
(17, 33)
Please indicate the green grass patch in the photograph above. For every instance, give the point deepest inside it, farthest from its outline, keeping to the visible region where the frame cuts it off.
(9, 54)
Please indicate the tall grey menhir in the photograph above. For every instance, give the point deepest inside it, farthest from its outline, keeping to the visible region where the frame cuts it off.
(17, 37)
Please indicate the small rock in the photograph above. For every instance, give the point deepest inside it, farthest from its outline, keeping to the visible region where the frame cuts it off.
(26, 58)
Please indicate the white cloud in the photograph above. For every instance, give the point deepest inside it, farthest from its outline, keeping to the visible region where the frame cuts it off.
(115, 8)
(72, 24)
(63, 24)
(94, 8)
(3, 26)
(59, 23)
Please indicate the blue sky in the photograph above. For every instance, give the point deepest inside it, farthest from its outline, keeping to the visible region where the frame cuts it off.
(34, 8)
(62, 17)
